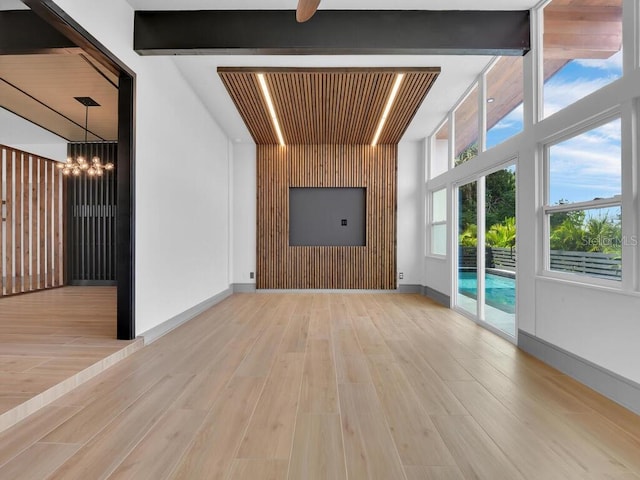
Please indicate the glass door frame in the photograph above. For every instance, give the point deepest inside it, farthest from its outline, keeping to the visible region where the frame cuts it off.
(479, 316)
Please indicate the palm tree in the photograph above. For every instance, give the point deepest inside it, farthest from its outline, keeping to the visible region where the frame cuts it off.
(602, 235)
(469, 238)
(502, 234)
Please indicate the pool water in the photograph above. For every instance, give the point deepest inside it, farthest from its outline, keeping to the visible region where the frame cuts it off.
(500, 292)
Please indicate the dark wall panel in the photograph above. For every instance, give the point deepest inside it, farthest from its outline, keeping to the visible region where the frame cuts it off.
(91, 227)
(327, 216)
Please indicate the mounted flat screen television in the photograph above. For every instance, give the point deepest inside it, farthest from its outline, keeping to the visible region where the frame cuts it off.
(327, 216)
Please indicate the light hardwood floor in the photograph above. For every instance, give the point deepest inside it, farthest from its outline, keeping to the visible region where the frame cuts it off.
(327, 386)
(51, 341)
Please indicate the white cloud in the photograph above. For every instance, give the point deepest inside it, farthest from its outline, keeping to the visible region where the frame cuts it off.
(560, 93)
(588, 165)
(588, 76)
(612, 64)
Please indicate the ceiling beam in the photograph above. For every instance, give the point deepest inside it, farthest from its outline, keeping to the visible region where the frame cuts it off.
(23, 32)
(332, 32)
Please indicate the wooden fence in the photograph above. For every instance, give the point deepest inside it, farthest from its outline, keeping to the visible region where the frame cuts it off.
(604, 265)
(31, 235)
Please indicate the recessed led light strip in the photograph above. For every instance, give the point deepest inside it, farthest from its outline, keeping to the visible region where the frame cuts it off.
(387, 108)
(272, 111)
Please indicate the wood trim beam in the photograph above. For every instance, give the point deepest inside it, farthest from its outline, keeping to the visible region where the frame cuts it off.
(332, 32)
(23, 32)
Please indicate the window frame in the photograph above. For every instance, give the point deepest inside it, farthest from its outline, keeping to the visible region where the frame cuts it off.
(432, 149)
(432, 223)
(476, 84)
(547, 209)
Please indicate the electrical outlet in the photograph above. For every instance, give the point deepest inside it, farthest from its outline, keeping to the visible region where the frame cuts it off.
(250, 274)
(401, 275)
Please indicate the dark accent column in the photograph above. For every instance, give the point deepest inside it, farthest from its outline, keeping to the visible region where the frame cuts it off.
(125, 199)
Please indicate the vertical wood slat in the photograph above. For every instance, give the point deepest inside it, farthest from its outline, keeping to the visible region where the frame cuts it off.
(3, 154)
(9, 223)
(29, 224)
(51, 215)
(26, 223)
(42, 249)
(370, 267)
(34, 222)
(64, 214)
(19, 275)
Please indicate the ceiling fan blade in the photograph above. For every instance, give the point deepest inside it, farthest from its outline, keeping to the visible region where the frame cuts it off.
(306, 9)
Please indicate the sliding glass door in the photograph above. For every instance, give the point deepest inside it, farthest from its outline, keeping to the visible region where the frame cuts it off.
(467, 298)
(486, 277)
(500, 247)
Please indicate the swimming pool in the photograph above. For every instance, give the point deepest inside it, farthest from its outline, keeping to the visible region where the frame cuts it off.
(500, 292)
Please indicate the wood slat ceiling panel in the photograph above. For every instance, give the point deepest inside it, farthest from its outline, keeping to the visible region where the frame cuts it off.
(31, 83)
(412, 92)
(327, 106)
(245, 93)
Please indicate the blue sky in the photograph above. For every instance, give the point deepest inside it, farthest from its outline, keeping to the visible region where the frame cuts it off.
(586, 166)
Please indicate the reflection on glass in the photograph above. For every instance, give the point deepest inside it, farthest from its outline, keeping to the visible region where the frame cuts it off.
(439, 222)
(505, 92)
(500, 238)
(582, 50)
(467, 248)
(587, 166)
(466, 128)
(440, 157)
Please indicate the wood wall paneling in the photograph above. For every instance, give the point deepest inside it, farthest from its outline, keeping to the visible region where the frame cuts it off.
(30, 243)
(326, 267)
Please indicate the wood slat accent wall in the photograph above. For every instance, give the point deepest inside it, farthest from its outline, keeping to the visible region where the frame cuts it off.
(31, 235)
(280, 266)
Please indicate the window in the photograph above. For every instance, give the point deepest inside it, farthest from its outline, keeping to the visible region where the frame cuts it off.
(466, 128)
(583, 208)
(440, 151)
(439, 222)
(582, 50)
(505, 92)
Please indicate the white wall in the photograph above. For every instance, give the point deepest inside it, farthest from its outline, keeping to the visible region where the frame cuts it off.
(18, 133)
(182, 176)
(410, 233)
(603, 327)
(437, 275)
(244, 212)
